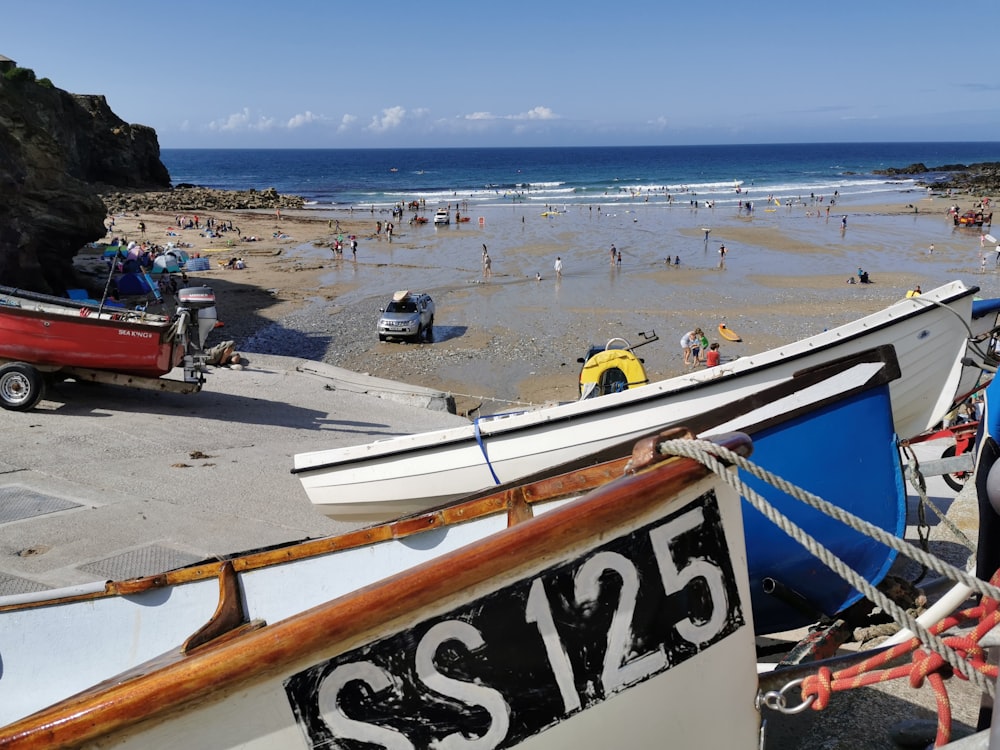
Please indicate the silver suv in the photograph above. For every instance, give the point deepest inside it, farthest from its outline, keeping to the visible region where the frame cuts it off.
(408, 316)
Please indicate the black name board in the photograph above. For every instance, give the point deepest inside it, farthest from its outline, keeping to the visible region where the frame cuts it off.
(504, 667)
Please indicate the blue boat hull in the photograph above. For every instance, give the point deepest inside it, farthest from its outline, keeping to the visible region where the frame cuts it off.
(845, 453)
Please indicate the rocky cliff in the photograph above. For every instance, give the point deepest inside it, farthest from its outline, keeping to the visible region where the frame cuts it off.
(57, 151)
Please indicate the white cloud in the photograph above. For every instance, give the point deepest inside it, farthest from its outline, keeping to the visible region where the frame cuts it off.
(346, 123)
(306, 118)
(391, 119)
(388, 120)
(240, 121)
(536, 113)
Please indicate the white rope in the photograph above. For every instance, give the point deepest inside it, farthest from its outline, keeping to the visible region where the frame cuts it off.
(709, 454)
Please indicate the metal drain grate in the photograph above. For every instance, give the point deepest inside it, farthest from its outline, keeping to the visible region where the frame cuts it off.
(139, 562)
(11, 585)
(17, 503)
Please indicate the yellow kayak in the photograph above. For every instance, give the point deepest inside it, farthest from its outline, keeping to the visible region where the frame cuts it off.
(728, 334)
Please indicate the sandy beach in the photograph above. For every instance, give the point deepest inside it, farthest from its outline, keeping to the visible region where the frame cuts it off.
(513, 340)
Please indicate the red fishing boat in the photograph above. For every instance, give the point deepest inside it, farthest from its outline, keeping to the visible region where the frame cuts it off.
(42, 335)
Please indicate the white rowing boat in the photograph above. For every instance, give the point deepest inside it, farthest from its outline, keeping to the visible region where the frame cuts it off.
(439, 654)
(934, 340)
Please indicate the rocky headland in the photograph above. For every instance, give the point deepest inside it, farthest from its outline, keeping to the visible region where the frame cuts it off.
(976, 179)
(66, 162)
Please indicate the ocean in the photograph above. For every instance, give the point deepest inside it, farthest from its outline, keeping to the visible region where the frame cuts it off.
(379, 178)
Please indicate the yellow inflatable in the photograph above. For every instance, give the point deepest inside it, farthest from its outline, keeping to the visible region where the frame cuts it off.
(611, 371)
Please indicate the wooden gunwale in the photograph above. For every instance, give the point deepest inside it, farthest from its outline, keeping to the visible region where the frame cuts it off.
(255, 655)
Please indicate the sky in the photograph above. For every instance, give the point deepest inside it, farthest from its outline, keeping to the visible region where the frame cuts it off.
(387, 74)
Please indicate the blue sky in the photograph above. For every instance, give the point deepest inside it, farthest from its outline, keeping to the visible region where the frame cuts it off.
(333, 74)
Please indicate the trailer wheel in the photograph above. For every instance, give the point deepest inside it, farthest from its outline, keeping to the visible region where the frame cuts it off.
(21, 386)
(957, 480)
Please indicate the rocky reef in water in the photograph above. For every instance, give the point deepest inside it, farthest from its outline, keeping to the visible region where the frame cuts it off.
(979, 179)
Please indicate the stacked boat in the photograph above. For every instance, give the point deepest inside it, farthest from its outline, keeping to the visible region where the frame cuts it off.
(618, 579)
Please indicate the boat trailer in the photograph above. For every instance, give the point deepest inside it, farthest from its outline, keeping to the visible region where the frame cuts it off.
(957, 461)
(23, 384)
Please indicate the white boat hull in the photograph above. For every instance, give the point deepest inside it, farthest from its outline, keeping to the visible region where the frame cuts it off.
(389, 478)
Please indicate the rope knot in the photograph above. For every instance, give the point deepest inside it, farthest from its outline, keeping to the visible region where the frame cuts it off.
(926, 663)
(818, 686)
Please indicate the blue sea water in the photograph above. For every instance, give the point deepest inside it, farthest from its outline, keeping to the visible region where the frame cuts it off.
(343, 178)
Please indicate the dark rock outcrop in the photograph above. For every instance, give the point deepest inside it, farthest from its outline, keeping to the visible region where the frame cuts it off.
(190, 198)
(978, 179)
(912, 169)
(56, 150)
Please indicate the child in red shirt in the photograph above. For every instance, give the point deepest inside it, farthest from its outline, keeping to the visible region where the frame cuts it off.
(712, 355)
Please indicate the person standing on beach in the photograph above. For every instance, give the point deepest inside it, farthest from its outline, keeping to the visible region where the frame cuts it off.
(487, 266)
(558, 267)
(691, 345)
(614, 253)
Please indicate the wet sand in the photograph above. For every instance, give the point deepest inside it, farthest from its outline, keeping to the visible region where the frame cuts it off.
(512, 340)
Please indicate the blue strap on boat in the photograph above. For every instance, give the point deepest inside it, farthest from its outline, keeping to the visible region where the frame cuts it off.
(482, 447)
